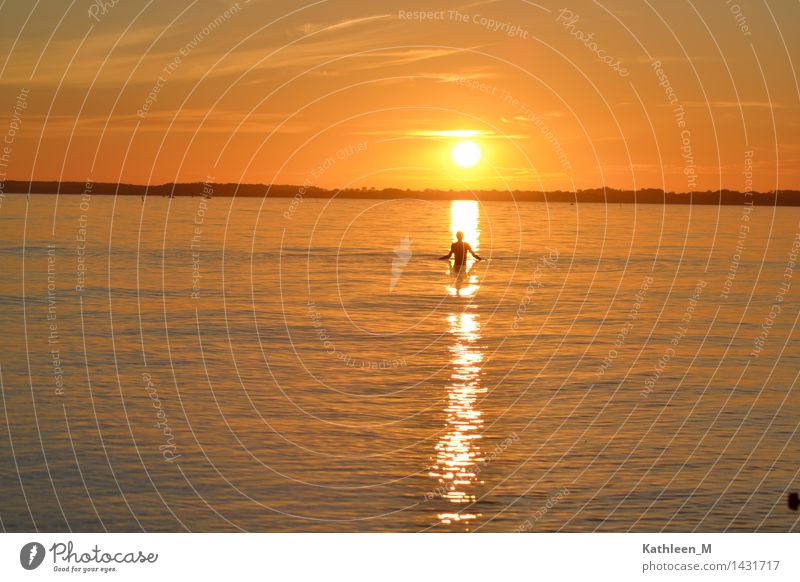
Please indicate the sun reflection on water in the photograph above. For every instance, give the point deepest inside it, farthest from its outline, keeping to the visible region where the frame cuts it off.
(458, 453)
(464, 218)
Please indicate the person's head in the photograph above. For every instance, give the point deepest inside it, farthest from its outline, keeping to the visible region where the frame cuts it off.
(460, 235)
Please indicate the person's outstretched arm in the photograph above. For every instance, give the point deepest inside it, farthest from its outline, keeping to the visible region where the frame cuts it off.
(448, 255)
(469, 248)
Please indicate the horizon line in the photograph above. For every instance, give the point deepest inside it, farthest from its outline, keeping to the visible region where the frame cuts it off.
(4, 184)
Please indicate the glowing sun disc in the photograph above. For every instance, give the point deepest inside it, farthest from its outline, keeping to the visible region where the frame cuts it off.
(466, 153)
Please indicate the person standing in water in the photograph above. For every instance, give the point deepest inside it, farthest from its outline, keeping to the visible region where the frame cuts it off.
(459, 250)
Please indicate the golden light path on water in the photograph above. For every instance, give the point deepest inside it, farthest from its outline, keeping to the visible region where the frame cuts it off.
(464, 217)
(457, 452)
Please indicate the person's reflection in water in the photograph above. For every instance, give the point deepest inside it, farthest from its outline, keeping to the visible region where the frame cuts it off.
(461, 279)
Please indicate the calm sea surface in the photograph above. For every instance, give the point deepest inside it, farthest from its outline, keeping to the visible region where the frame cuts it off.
(237, 364)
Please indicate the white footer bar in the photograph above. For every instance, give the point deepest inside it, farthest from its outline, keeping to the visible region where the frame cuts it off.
(406, 557)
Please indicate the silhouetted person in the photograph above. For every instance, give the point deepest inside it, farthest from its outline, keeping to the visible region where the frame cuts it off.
(459, 250)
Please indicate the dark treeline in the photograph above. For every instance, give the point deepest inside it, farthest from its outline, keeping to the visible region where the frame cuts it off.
(599, 195)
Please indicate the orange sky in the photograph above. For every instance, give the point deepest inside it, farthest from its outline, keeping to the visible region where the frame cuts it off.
(346, 93)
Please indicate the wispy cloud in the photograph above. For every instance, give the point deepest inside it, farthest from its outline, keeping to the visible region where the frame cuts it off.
(310, 27)
(179, 121)
(476, 74)
(449, 133)
(438, 134)
(731, 104)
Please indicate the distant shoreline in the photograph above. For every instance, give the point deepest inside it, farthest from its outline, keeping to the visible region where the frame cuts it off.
(594, 195)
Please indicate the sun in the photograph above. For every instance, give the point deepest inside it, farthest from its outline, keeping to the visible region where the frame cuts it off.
(466, 153)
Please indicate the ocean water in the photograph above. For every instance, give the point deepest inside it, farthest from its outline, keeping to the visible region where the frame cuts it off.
(232, 364)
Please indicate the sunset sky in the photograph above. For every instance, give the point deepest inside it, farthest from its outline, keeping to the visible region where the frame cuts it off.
(346, 93)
